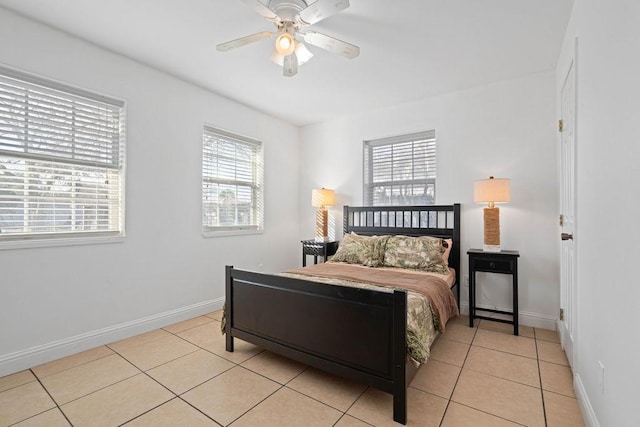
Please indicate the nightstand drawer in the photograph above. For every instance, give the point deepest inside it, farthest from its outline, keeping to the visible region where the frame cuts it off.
(317, 249)
(493, 265)
(313, 249)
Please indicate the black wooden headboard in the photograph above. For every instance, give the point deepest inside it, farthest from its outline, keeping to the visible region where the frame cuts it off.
(429, 220)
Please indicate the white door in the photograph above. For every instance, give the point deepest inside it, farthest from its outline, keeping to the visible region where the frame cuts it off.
(568, 283)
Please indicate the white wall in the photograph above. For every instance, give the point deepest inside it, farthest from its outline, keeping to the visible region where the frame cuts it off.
(505, 129)
(55, 301)
(607, 232)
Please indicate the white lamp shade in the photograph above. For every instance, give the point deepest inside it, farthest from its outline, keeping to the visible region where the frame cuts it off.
(321, 197)
(492, 190)
(303, 54)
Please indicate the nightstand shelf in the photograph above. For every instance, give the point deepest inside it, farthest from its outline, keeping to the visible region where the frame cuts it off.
(316, 248)
(504, 262)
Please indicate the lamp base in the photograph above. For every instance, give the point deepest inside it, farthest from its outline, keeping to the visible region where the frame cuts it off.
(322, 227)
(491, 230)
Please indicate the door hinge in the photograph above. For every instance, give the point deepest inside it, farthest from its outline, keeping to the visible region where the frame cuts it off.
(560, 127)
(561, 220)
(562, 314)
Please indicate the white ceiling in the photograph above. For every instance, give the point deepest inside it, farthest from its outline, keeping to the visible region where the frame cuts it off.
(409, 49)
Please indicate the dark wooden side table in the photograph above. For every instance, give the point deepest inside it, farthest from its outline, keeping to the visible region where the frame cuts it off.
(315, 248)
(504, 262)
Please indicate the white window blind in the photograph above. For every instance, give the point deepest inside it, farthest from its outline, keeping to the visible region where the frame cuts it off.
(61, 160)
(400, 170)
(232, 182)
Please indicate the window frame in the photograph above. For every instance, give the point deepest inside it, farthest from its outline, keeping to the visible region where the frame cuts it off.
(256, 184)
(368, 183)
(71, 166)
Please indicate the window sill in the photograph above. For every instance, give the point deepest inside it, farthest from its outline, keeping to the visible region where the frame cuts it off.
(226, 233)
(60, 241)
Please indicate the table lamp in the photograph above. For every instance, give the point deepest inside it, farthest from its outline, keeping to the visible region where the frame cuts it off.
(491, 191)
(321, 198)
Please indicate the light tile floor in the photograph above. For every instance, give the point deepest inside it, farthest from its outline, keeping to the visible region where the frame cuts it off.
(182, 376)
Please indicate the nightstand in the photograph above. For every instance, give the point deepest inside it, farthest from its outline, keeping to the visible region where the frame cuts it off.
(504, 262)
(315, 248)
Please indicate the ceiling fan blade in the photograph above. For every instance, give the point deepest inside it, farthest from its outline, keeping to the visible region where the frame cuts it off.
(332, 45)
(320, 10)
(290, 65)
(223, 47)
(262, 10)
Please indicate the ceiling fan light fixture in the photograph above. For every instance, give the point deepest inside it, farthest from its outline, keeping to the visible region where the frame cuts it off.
(303, 54)
(276, 58)
(285, 44)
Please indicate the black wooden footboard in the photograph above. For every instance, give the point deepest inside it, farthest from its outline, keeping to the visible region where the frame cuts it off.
(359, 334)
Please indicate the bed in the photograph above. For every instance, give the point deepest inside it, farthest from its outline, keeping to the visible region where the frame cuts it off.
(317, 324)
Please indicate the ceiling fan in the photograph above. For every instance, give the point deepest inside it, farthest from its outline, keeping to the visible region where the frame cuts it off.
(290, 17)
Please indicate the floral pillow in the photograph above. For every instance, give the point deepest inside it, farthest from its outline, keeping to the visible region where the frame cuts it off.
(419, 253)
(364, 250)
(448, 244)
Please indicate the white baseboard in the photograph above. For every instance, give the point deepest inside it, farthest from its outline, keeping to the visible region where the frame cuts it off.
(588, 414)
(527, 318)
(34, 356)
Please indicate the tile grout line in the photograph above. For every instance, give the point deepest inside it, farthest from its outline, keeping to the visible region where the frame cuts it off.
(351, 406)
(153, 379)
(236, 365)
(505, 379)
(205, 381)
(265, 398)
(146, 412)
(97, 390)
(506, 352)
(307, 367)
(74, 366)
(258, 403)
(188, 329)
(489, 413)
(175, 395)
(285, 385)
(189, 403)
(320, 401)
(544, 407)
(205, 349)
(215, 376)
(459, 374)
(354, 402)
(168, 361)
(52, 399)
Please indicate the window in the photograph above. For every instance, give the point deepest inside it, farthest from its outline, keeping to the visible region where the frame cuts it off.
(232, 175)
(400, 170)
(61, 160)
